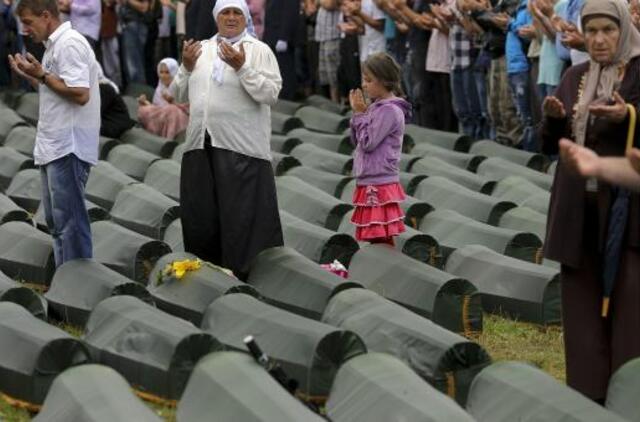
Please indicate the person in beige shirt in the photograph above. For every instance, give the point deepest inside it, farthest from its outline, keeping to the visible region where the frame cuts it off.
(227, 188)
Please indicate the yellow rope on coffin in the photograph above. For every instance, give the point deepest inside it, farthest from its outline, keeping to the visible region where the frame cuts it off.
(451, 385)
(152, 398)
(466, 324)
(317, 400)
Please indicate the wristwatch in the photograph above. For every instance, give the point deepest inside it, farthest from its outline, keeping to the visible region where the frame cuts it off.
(43, 78)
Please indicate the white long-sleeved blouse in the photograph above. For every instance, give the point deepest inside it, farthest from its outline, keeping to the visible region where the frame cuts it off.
(237, 114)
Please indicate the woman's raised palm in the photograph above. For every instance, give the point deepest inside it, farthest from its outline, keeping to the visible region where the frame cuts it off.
(553, 107)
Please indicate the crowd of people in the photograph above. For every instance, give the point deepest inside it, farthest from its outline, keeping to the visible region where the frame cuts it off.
(490, 63)
(558, 76)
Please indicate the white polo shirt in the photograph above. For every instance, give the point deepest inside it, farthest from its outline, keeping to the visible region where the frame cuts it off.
(65, 127)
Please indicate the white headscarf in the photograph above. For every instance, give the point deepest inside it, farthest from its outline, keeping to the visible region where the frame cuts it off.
(172, 66)
(226, 4)
(602, 80)
(218, 64)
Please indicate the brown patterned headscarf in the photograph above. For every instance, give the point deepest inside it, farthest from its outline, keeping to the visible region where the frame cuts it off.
(602, 80)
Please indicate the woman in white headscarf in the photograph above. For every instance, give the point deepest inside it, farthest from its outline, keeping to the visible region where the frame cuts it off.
(228, 199)
(163, 116)
(590, 107)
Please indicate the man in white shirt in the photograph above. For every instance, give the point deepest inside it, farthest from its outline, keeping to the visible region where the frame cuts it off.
(228, 203)
(68, 123)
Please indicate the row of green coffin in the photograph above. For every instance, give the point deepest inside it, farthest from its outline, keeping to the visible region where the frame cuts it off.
(72, 299)
(25, 111)
(533, 293)
(146, 210)
(287, 121)
(127, 333)
(474, 171)
(370, 387)
(481, 178)
(173, 177)
(23, 138)
(77, 280)
(129, 252)
(130, 207)
(441, 192)
(499, 209)
(511, 286)
(312, 204)
(111, 194)
(142, 209)
(168, 172)
(26, 253)
(501, 392)
(319, 116)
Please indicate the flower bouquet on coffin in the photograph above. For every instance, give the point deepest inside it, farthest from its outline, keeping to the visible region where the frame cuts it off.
(183, 285)
(176, 270)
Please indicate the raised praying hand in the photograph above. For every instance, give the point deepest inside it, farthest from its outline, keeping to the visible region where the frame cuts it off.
(28, 68)
(191, 51)
(579, 159)
(231, 56)
(357, 101)
(572, 37)
(615, 112)
(553, 107)
(527, 31)
(542, 8)
(501, 20)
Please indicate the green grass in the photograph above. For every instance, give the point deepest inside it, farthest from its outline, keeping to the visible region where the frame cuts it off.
(71, 329)
(11, 414)
(504, 339)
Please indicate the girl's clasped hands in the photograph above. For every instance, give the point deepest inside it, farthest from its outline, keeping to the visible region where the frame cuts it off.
(357, 101)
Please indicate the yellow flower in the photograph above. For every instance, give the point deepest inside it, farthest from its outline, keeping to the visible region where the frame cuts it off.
(180, 268)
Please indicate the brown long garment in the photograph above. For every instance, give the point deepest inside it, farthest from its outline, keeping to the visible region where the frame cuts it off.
(576, 231)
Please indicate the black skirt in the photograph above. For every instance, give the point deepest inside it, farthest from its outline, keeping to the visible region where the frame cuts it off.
(229, 207)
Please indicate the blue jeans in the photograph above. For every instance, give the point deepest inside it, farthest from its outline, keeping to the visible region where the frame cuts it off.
(487, 130)
(134, 37)
(63, 182)
(521, 93)
(466, 102)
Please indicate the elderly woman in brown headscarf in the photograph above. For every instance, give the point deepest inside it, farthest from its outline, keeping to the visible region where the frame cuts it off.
(590, 108)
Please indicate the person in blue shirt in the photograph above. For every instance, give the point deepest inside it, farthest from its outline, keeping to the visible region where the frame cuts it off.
(518, 73)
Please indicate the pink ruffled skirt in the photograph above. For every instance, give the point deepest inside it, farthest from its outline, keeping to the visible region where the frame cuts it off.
(378, 214)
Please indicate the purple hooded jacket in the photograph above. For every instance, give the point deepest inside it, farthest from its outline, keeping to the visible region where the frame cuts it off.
(377, 135)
